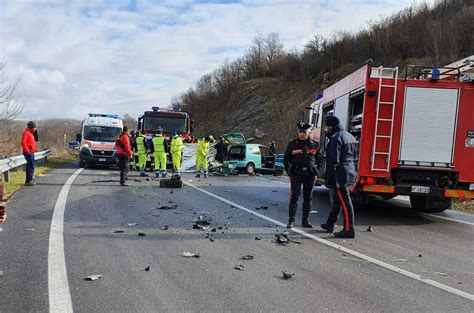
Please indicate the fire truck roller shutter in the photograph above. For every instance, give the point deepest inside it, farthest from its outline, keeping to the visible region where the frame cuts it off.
(428, 129)
(341, 109)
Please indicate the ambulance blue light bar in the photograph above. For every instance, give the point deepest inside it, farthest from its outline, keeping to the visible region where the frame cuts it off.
(104, 115)
(155, 109)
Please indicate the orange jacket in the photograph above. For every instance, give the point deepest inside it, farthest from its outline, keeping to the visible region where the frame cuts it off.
(125, 140)
(28, 141)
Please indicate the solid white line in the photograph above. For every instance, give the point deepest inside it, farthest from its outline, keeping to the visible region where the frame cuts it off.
(58, 285)
(346, 250)
(439, 216)
(449, 219)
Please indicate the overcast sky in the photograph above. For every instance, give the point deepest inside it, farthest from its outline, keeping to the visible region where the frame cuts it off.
(75, 57)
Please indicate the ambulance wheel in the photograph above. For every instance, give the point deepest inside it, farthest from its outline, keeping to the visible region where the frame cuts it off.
(250, 169)
(427, 204)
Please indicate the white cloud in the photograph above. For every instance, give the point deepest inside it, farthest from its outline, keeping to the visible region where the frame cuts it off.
(125, 56)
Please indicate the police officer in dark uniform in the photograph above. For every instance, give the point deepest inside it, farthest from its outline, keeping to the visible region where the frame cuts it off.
(300, 164)
(339, 174)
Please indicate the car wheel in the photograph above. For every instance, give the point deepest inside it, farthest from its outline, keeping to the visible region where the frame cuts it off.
(250, 169)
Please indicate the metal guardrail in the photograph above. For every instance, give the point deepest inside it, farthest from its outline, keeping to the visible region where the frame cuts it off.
(10, 163)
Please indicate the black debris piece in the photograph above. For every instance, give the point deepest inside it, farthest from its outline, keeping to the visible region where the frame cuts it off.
(233, 207)
(118, 231)
(369, 229)
(239, 267)
(420, 255)
(274, 190)
(202, 222)
(219, 228)
(93, 277)
(164, 227)
(258, 238)
(213, 230)
(171, 191)
(281, 239)
(147, 269)
(287, 275)
(167, 207)
(247, 257)
(262, 207)
(141, 234)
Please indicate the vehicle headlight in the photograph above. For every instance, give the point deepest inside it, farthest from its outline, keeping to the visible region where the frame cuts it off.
(86, 146)
(471, 186)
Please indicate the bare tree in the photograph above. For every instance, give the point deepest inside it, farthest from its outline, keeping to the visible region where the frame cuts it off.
(10, 108)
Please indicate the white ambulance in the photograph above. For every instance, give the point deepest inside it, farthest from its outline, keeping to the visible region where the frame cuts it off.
(97, 139)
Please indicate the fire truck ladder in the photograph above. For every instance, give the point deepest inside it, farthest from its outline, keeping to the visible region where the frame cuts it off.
(384, 74)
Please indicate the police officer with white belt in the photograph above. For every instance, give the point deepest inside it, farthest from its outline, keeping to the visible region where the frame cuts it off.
(300, 164)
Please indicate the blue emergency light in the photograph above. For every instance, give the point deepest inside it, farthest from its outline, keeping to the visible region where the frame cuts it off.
(104, 115)
(319, 95)
(155, 108)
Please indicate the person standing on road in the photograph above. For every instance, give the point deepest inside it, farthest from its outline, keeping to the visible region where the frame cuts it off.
(176, 151)
(300, 164)
(160, 148)
(339, 174)
(28, 144)
(273, 147)
(221, 150)
(202, 151)
(124, 154)
(140, 149)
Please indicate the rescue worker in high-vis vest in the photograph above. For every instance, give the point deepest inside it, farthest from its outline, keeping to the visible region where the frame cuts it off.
(202, 151)
(160, 148)
(176, 151)
(141, 149)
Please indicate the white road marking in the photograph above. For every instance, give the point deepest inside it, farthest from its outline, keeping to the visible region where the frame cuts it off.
(58, 285)
(344, 249)
(438, 216)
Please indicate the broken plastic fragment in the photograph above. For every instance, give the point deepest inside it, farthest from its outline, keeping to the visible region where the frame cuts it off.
(166, 207)
(93, 277)
(147, 269)
(118, 232)
(190, 255)
(247, 257)
(287, 275)
(141, 234)
(369, 229)
(420, 255)
(258, 238)
(165, 227)
(313, 212)
(262, 207)
(132, 224)
(239, 267)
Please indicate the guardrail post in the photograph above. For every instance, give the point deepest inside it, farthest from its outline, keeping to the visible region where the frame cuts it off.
(6, 176)
(3, 203)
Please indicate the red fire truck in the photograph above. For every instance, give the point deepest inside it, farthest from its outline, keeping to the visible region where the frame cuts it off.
(168, 121)
(415, 131)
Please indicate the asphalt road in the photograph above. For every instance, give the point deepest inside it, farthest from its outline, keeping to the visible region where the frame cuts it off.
(433, 253)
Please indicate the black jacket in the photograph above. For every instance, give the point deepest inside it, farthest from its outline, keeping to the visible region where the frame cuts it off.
(340, 171)
(301, 157)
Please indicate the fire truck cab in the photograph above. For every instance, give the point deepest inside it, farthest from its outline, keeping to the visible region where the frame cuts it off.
(415, 131)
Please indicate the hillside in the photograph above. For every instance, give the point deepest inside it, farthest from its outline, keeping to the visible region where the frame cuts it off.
(261, 92)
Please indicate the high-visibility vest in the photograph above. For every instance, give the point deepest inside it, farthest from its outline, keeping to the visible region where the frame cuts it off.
(176, 144)
(159, 144)
(140, 140)
(202, 148)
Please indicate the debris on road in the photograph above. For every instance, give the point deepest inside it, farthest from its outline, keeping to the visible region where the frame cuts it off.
(239, 267)
(369, 229)
(167, 207)
(283, 239)
(118, 231)
(147, 269)
(202, 222)
(420, 255)
(313, 212)
(164, 227)
(141, 234)
(93, 277)
(247, 257)
(440, 273)
(190, 255)
(262, 207)
(210, 238)
(132, 224)
(402, 260)
(287, 275)
(258, 238)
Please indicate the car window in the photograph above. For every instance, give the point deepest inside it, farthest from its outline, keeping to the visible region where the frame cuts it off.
(236, 150)
(265, 151)
(254, 150)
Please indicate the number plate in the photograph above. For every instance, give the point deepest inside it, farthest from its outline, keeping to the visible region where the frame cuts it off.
(101, 160)
(420, 189)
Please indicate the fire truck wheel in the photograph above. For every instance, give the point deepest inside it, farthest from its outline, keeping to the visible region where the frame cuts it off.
(427, 204)
(250, 169)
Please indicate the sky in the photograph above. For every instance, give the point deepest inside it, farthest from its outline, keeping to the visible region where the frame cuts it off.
(125, 56)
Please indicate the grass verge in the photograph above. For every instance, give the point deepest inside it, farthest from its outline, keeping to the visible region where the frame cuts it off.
(17, 176)
(463, 205)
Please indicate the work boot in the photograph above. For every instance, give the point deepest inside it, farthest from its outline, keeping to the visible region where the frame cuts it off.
(345, 234)
(163, 174)
(198, 175)
(304, 222)
(142, 173)
(157, 174)
(291, 216)
(328, 228)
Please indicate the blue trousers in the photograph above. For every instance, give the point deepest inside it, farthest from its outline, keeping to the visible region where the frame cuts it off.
(30, 166)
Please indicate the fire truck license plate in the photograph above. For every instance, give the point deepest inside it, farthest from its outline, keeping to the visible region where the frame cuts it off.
(420, 189)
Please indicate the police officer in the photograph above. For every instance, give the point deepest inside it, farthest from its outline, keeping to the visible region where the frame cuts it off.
(339, 174)
(300, 164)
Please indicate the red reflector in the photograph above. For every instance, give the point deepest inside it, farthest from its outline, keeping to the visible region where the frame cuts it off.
(370, 180)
